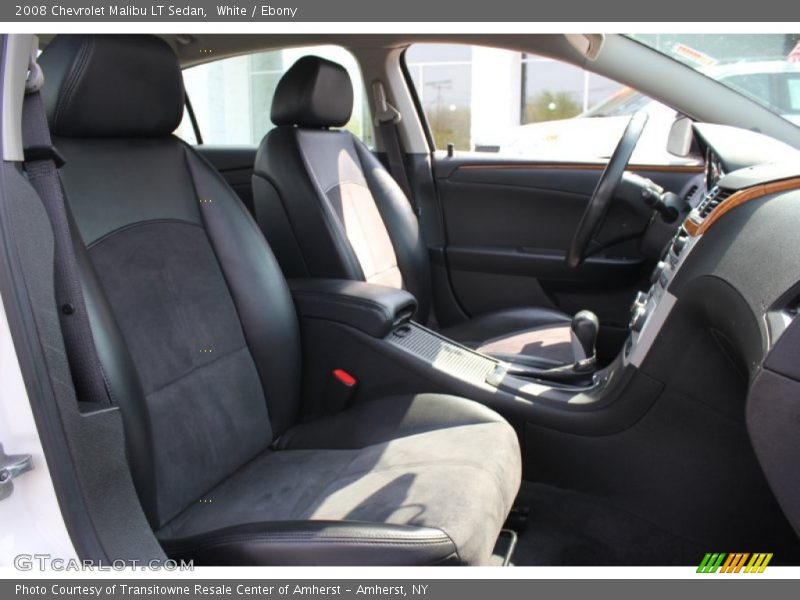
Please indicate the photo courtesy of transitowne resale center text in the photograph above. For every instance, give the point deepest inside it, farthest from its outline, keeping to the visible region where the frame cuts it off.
(314, 300)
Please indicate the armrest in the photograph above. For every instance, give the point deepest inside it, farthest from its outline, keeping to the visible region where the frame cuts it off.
(374, 309)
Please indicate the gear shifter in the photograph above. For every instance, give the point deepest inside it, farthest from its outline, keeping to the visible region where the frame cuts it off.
(583, 333)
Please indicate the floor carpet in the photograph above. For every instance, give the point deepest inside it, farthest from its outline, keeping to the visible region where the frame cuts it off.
(565, 528)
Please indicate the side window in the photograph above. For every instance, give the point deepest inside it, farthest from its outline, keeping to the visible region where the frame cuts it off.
(232, 97)
(520, 105)
(793, 94)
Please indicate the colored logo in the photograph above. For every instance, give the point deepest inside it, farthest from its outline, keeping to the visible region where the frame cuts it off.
(738, 562)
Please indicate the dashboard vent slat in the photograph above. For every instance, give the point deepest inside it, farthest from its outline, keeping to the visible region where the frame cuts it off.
(713, 199)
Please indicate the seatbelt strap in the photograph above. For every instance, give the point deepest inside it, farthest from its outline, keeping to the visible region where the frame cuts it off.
(41, 165)
(386, 118)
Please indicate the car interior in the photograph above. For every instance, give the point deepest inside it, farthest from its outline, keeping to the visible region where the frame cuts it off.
(315, 350)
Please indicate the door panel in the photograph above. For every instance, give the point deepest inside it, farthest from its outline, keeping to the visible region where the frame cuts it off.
(543, 263)
(235, 164)
(509, 224)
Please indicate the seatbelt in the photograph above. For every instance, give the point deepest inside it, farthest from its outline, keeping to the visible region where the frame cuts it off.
(386, 118)
(42, 162)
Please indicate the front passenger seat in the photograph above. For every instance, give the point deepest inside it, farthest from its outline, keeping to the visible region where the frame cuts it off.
(199, 342)
(330, 209)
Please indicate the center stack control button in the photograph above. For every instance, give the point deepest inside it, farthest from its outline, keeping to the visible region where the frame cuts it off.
(640, 300)
(638, 319)
(679, 244)
(660, 268)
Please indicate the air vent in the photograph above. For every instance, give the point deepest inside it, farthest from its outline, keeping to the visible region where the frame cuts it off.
(713, 199)
(692, 191)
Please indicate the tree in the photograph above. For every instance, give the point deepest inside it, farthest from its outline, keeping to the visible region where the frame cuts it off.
(450, 126)
(550, 106)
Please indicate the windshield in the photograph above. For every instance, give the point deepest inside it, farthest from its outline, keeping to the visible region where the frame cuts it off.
(764, 67)
(624, 102)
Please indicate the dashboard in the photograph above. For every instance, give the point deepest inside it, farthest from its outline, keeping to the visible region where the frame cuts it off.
(733, 266)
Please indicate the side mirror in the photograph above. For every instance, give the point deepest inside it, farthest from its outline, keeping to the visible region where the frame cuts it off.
(679, 141)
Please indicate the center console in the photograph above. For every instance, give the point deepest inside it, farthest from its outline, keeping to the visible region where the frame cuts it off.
(368, 332)
(361, 341)
(483, 371)
(386, 314)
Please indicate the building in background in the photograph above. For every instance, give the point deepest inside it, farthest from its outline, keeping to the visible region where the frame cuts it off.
(480, 98)
(476, 97)
(232, 97)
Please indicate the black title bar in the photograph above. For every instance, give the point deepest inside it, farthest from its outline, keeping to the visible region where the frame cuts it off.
(465, 11)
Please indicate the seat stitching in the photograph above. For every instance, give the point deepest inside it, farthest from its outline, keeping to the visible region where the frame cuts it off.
(364, 228)
(343, 182)
(359, 148)
(335, 228)
(197, 368)
(74, 77)
(386, 270)
(284, 211)
(125, 228)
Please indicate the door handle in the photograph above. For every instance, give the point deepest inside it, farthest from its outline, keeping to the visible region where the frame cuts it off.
(12, 466)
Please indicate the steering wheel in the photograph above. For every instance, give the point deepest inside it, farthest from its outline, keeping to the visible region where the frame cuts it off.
(603, 193)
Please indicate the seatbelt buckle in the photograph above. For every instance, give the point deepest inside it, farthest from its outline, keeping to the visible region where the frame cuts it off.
(340, 390)
(37, 153)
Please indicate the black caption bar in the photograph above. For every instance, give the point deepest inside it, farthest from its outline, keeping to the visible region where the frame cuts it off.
(408, 10)
(371, 589)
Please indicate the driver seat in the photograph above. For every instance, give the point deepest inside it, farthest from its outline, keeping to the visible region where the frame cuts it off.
(330, 209)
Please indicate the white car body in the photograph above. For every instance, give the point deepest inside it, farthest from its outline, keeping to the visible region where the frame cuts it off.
(32, 521)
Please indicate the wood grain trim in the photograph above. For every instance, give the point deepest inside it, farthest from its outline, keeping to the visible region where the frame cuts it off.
(739, 198)
(691, 227)
(582, 166)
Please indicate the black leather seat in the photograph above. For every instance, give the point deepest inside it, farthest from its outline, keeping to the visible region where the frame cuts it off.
(330, 209)
(200, 346)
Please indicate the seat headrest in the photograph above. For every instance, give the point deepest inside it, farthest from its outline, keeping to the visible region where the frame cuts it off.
(314, 92)
(111, 86)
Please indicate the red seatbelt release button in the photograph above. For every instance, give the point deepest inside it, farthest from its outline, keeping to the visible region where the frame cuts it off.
(344, 377)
